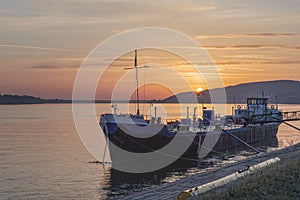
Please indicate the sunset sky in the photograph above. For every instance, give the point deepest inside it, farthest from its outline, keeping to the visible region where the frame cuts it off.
(44, 42)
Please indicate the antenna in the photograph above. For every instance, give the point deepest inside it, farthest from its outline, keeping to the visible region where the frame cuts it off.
(137, 80)
(137, 83)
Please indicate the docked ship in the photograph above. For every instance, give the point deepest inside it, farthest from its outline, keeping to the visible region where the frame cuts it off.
(253, 124)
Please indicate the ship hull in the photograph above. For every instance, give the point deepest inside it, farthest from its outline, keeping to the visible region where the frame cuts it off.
(260, 135)
(125, 148)
(264, 135)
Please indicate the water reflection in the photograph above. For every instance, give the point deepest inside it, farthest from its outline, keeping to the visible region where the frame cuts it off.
(122, 183)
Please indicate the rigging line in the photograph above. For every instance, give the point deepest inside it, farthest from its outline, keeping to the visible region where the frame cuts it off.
(291, 125)
(143, 65)
(144, 87)
(143, 100)
(240, 140)
(137, 83)
(126, 61)
(142, 61)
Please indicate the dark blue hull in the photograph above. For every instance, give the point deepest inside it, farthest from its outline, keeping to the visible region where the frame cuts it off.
(133, 144)
(121, 140)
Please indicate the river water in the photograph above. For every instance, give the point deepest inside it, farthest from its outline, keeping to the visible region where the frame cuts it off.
(42, 157)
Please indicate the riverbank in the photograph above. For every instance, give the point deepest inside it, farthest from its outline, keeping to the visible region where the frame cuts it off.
(278, 181)
(171, 190)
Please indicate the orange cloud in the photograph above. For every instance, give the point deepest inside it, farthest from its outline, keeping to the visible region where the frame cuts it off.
(251, 46)
(229, 36)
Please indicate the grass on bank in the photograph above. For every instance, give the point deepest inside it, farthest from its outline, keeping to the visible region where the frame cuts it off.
(278, 181)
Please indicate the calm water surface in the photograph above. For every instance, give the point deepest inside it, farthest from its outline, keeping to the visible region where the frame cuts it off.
(41, 156)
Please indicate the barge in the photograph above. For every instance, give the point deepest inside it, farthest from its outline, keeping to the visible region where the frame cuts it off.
(130, 137)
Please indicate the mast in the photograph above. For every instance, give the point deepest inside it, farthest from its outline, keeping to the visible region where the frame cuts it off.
(137, 83)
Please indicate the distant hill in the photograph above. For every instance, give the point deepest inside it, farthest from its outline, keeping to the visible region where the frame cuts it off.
(16, 99)
(287, 91)
(8, 99)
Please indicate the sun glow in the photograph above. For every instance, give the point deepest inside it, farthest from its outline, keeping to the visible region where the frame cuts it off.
(199, 90)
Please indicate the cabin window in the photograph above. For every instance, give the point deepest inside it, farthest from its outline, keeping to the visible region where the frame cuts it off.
(257, 101)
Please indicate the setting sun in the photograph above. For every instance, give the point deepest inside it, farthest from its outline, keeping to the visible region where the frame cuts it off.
(198, 90)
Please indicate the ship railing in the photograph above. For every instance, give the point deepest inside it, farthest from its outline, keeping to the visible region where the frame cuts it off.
(245, 107)
(171, 121)
(199, 124)
(291, 115)
(240, 107)
(273, 107)
(275, 117)
(152, 119)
